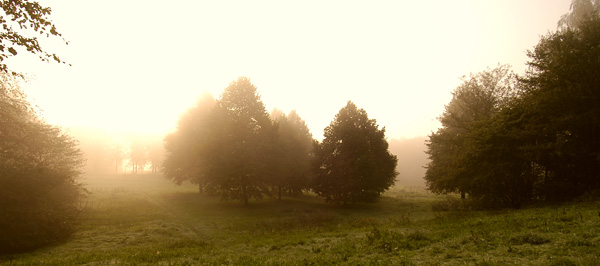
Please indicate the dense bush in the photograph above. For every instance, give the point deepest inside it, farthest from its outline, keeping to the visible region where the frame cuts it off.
(39, 164)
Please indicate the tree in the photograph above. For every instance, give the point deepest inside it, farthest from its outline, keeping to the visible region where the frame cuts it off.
(138, 155)
(500, 170)
(155, 155)
(238, 153)
(182, 148)
(227, 149)
(353, 163)
(294, 147)
(117, 152)
(477, 99)
(27, 17)
(562, 111)
(39, 166)
(581, 11)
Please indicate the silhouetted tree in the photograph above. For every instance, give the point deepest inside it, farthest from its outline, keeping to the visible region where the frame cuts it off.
(293, 148)
(39, 164)
(26, 17)
(561, 110)
(580, 12)
(138, 155)
(227, 149)
(449, 148)
(353, 163)
(237, 158)
(117, 152)
(155, 155)
(182, 148)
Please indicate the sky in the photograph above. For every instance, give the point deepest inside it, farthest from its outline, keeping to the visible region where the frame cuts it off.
(137, 65)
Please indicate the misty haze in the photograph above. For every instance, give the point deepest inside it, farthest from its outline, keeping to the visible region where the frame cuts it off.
(308, 133)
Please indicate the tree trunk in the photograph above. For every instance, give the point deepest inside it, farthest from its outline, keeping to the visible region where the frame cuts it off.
(244, 195)
(279, 193)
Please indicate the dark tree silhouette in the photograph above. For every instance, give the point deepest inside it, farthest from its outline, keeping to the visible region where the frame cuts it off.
(22, 22)
(293, 150)
(478, 98)
(353, 163)
(182, 148)
(562, 111)
(39, 164)
(226, 149)
(238, 154)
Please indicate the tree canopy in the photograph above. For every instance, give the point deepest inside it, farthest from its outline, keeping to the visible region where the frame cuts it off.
(293, 148)
(39, 166)
(478, 98)
(352, 164)
(22, 22)
(182, 162)
(542, 142)
(226, 146)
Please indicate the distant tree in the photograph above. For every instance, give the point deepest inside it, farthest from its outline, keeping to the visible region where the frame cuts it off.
(182, 148)
(352, 164)
(449, 148)
(238, 153)
(138, 156)
(22, 21)
(155, 156)
(293, 150)
(117, 151)
(39, 166)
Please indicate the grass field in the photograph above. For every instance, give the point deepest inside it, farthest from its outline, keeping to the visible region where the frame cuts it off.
(148, 220)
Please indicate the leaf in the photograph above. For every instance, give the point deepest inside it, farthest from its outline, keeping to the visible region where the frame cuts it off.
(12, 51)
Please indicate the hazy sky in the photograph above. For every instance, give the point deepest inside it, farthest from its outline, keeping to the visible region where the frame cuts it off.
(138, 64)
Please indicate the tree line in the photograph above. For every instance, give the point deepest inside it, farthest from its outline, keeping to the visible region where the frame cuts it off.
(233, 149)
(120, 153)
(509, 140)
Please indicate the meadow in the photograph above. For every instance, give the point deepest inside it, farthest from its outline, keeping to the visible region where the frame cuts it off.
(144, 219)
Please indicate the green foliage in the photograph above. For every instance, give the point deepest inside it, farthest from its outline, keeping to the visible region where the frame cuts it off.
(581, 11)
(238, 153)
(293, 150)
(353, 163)
(29, 19)
(561, 111)
(453, 148)
(226, 147)
(182, 147)
(540, 142)
(39, 165)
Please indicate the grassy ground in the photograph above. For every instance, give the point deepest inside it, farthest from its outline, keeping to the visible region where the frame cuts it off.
(147, 220)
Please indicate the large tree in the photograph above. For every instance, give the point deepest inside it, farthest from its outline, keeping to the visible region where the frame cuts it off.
(39, 166)
(352, 163)
(477, 99)
(293, 150)
(227, 149)
(562, 110)
(182, 148)
(22, 22)
(236, 160)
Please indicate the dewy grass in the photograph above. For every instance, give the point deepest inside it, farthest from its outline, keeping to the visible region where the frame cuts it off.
(147, 220)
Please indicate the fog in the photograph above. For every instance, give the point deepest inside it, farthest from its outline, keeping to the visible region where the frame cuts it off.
(135, 72)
